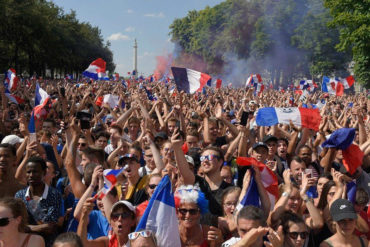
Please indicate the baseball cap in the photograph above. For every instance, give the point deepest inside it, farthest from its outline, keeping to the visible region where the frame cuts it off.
(128, 156)
(260, 144)
(342, 209)
(12, 139)
(270, 138)
(128, 205)
(252, 102)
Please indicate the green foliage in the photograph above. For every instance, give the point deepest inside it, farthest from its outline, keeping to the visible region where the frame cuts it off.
(35, 35)
(353, 19)
(284, 40)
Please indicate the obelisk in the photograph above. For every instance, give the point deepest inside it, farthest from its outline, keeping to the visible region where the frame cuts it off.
(135, 58)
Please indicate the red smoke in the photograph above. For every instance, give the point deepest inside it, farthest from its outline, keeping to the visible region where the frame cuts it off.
(163, 66)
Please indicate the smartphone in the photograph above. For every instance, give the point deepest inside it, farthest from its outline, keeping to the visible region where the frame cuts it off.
(309, 172)
(84, 118)
(244, 118)
(63, 91)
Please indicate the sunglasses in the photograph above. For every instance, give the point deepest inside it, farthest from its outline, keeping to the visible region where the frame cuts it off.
(209, 157)
(5, 221)
(294, 235)
(115, 216)
(152, 186)
(135, 235)
(192, 211)
(168, 150)
(82, 144)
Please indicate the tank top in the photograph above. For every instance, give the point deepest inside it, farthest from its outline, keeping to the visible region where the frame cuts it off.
(26, 240)
(331, 245)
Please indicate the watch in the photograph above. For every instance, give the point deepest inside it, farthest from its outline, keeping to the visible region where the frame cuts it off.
(285, 194)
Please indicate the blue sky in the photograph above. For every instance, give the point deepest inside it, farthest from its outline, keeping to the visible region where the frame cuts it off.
(121, 21)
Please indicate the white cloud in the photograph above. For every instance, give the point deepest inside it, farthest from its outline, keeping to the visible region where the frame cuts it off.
(130, 11)
(154, 15)
(118, 36)
(129, 29)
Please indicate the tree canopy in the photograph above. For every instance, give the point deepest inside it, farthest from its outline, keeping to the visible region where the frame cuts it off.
(36, 35)
(284, 40)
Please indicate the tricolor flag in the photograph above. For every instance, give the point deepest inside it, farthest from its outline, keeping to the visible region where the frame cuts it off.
(347, 82)
(110, 180)
(352, 154)
(11, 80)
(96, 67)
(308, 85)
(269, 180)
(41, 96)
(259, 87)
(116, 77)
(13, 98)
(160, 216)
(188, 80)
(218, 83)
(332, 86)
(308, 118)
(252, 79)
(151, 97)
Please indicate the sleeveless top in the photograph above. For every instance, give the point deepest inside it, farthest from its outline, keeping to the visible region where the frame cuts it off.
(331, 245)
(26, 240)
(113, 240)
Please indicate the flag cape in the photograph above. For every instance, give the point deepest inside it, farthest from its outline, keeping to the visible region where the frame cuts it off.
(188, 80)
(160, 216)
(308, 118)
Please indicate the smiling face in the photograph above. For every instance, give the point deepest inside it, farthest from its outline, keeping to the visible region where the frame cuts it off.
(282, 148)
(188, 214)
(296, 235)
(211, 164)
(294, 201)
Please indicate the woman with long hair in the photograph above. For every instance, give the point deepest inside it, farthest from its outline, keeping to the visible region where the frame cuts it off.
(13, 224)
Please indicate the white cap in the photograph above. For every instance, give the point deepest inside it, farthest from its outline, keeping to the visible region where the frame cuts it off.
(126, 203)
(12, 139)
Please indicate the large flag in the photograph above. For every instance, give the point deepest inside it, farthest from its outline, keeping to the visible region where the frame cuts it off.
(160, 216)
(188, 80)
(308, 118)
(13, 98)
(95, 69)
(11, 80)
(251, 197)
(268, 177)
(352, 154)
(332, 86)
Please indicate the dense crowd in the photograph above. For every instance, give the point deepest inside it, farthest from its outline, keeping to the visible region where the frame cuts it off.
(50, 185)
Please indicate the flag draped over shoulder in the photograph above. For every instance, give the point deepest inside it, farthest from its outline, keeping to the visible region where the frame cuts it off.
(160, 216)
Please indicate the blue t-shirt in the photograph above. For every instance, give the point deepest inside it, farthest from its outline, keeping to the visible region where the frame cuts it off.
(98, 225)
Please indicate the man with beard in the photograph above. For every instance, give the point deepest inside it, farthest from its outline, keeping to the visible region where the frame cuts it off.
(8, 184)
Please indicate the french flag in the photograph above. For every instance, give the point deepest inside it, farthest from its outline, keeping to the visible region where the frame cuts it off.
(160, 216)
(95, 69)
(110, 180)
(252, 79)
(13, 98)
(332, 86)
(116, 77)
(259, 87)
(308, 118)
(269, 180)
(11, 80)
(352, 154)
(347, 82)
(41, 96)
(188, 80)
(151, 97)
(308, 85)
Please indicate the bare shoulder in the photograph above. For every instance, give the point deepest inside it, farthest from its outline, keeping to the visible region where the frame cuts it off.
(101, 241)
(36, 240)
